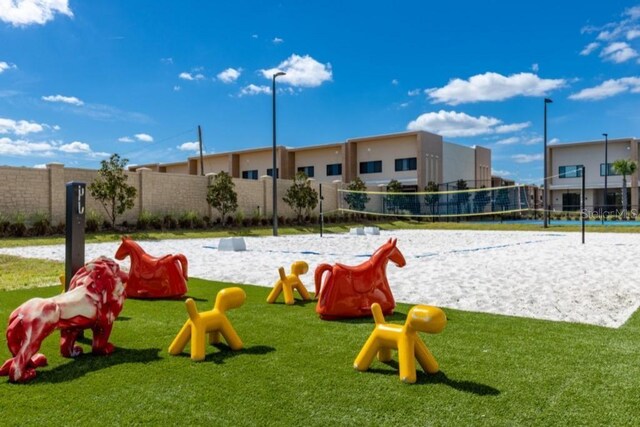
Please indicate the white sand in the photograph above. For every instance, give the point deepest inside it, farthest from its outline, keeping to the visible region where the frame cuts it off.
(531, 274)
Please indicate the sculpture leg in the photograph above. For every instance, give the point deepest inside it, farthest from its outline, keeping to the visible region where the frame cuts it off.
(214, 337)
(288, 293)
(180, 341)
(406, 359)
(100, 344)
(198, 333)
(68, 339)
(425, 358)
(384, 354)
(275, 292)
(368, 352)
(230, 335)
(303, 291)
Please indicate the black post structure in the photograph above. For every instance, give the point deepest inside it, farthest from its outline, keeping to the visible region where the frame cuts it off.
(321, 213)
(74, 230)
(606, 173)
(545, 207)
(201, 157)
(584, 206)
(274, 174)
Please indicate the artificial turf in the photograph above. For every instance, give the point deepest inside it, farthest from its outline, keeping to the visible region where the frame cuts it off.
(296, 369)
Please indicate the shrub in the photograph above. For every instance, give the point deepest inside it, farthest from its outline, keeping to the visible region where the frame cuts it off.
(4, 225)
(169, 222)
(239, 218)
(92, 221)
(144, 220)
(40, 225)
(187, 219)
(18, 227)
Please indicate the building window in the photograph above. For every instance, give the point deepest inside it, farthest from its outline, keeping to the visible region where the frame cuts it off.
(270, 172)
(409, 164)
(334, 169)
(374, 166)
(570, 171)
(308, 170)
(250, 174)
(612, 171)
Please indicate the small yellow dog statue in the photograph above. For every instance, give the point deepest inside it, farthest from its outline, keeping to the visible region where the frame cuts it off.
(288, 283)
(213, 322)
(386, 337)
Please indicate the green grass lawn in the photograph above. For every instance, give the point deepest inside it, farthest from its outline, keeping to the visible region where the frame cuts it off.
(297, 370)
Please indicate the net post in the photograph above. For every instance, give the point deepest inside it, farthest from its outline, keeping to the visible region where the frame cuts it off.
(584, 206)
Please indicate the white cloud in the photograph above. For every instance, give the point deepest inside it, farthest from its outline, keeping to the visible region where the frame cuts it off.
(21, 147)
(508, 141)
(176, 88)
(254, 36)
(554, 141)
(277, 40)
(618, 52)
(454, 124)
(255, 90)
(502, 173)
(75, 147)
(190, 146)
(144, 137)
(404, 105)
(493, 87)
(302, 71)
(4, 66)
(514, 127)
(26, 12)
(633, 34)
(20, 127)
(167, 61)
(40, 166)
(125, 139)
(191, 77)
(533, 140)
(394, 82)
(608, 89)
(588, 49)
(414, 92)
(535, 68)
(526, 158)
(229, 75)
(64, 99)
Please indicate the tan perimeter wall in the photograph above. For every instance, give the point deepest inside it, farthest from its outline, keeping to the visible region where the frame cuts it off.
(29, 191)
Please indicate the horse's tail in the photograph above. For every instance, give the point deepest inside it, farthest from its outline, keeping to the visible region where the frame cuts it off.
(320, 269)
(185, 265)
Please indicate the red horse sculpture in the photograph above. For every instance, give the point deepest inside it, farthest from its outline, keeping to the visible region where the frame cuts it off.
(94, 301)
(151, 277)
(349, 291)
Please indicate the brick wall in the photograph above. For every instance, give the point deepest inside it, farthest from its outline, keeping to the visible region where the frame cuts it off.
(28, 191)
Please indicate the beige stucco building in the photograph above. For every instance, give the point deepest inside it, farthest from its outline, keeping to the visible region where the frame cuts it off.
(565, 163)
(413, 158)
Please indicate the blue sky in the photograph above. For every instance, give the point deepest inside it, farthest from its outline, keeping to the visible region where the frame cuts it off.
(82, 80)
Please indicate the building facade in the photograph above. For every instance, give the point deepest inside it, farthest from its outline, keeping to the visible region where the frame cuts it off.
(565, 162)
(412, 158)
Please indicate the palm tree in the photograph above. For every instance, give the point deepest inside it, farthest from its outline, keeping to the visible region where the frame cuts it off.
(624, 167)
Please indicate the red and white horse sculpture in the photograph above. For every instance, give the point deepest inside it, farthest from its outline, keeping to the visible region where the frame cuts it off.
(349, 291)
(94, 301)
(151, 277)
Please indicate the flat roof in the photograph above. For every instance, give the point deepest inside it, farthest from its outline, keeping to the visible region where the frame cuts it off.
(593, 142)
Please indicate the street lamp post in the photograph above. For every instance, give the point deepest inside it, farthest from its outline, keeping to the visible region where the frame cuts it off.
(606, 173)
(545, 211)
(273, 171)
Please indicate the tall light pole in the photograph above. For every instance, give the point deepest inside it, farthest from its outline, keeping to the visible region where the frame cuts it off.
(273, 171)
(544, 173)
(606, 171)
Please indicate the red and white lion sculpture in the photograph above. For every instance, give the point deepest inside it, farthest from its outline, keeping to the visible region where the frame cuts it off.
(94, 300)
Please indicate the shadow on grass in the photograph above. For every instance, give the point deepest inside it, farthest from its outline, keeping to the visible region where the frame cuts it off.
(395, 318)
(296, 302)
(441, 378)
(225, 352)
(177, 299)
(86, 363)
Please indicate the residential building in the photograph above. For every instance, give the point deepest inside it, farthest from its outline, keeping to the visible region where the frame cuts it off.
(565, 162)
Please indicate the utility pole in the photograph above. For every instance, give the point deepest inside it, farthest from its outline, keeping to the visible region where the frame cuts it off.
(201, 158)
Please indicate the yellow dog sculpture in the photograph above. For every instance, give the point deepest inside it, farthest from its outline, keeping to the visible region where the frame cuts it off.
(213, 322)
(288, 283)
(386, 337)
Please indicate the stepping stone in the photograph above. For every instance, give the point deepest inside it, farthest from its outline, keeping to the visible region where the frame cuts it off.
(358, 231)
(374, 231)
(232, 244)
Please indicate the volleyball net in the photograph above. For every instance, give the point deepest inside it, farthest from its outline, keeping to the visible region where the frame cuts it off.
(439, 204)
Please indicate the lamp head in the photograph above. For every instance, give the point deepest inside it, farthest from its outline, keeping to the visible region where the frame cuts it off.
(548, 100)
(605, 135)
(279, 73)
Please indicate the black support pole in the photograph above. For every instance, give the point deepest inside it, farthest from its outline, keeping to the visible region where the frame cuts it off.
(584, 206)
(321, 213)
(74, 230)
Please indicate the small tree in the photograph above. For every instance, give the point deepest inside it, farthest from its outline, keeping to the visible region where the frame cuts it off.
(221, 195)
(432, 200)
(394, 201)
(356, 201)
(300, 196)
(111, 188)
(480, 200)
(625, 167)
(461, 198)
